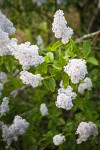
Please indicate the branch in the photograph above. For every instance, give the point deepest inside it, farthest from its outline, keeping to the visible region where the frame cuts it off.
(88, 36)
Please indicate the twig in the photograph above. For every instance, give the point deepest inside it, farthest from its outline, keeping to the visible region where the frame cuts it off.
(88, 36)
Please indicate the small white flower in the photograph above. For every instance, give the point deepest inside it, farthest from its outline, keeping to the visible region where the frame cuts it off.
(76, 69)
(29, 78)
(43, 109)
(26, 53)
(4, 41)
(3, 77)
(10, 133)
(59, 27)
(64, 101)
(85, 130)
(4, 108)
(65, 97)
(87, 84)
(6, 25)
(58, 139)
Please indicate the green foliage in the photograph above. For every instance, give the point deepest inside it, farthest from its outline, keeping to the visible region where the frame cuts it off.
(32, 21)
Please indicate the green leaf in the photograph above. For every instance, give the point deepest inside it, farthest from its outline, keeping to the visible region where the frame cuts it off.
(50, 56)
(56, 45)
(65, 78)
(57, 66)
(52, 84)
(93, 60)
(42, 69)
(86, 47)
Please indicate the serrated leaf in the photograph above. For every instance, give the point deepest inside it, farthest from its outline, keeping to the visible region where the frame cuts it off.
(93, 60)
(56, 45)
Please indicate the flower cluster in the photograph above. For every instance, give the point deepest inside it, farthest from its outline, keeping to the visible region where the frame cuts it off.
(30, 79)
(6, 25)
(87, 84)
(4, 108)
(10, 133)
(76, 69)
(58, 139)
(3, 77)
(59, 27)
(26, 53)
(85, 130)
(6, 28)
(4, 41)
(43, 109)
(65, 97)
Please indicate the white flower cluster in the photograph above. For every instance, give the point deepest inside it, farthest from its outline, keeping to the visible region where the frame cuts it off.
(6, 28)
(58, 139)
(39, 2)
(3, 77)
(85, 130)
(6, 25)
(43, 109)
(59, 27)
(4, 108)
(4, 41)
(87, 84)
(26, 53)
(76, 69)
(65, 97)
(10, 133)
(30, 79)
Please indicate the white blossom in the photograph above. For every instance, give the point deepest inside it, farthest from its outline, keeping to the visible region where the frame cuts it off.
(87, 84)
(65, 97)
(64, 101)
(6, 25)
(39, 2)
(85, 130)
(58, 139)
(76, 69)
(68, 91)
(43, 109)
(26, 53)
(4, 107)
(59, 27)
(3, 77)
(30, 79)
(18, 127)
(4, 41)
